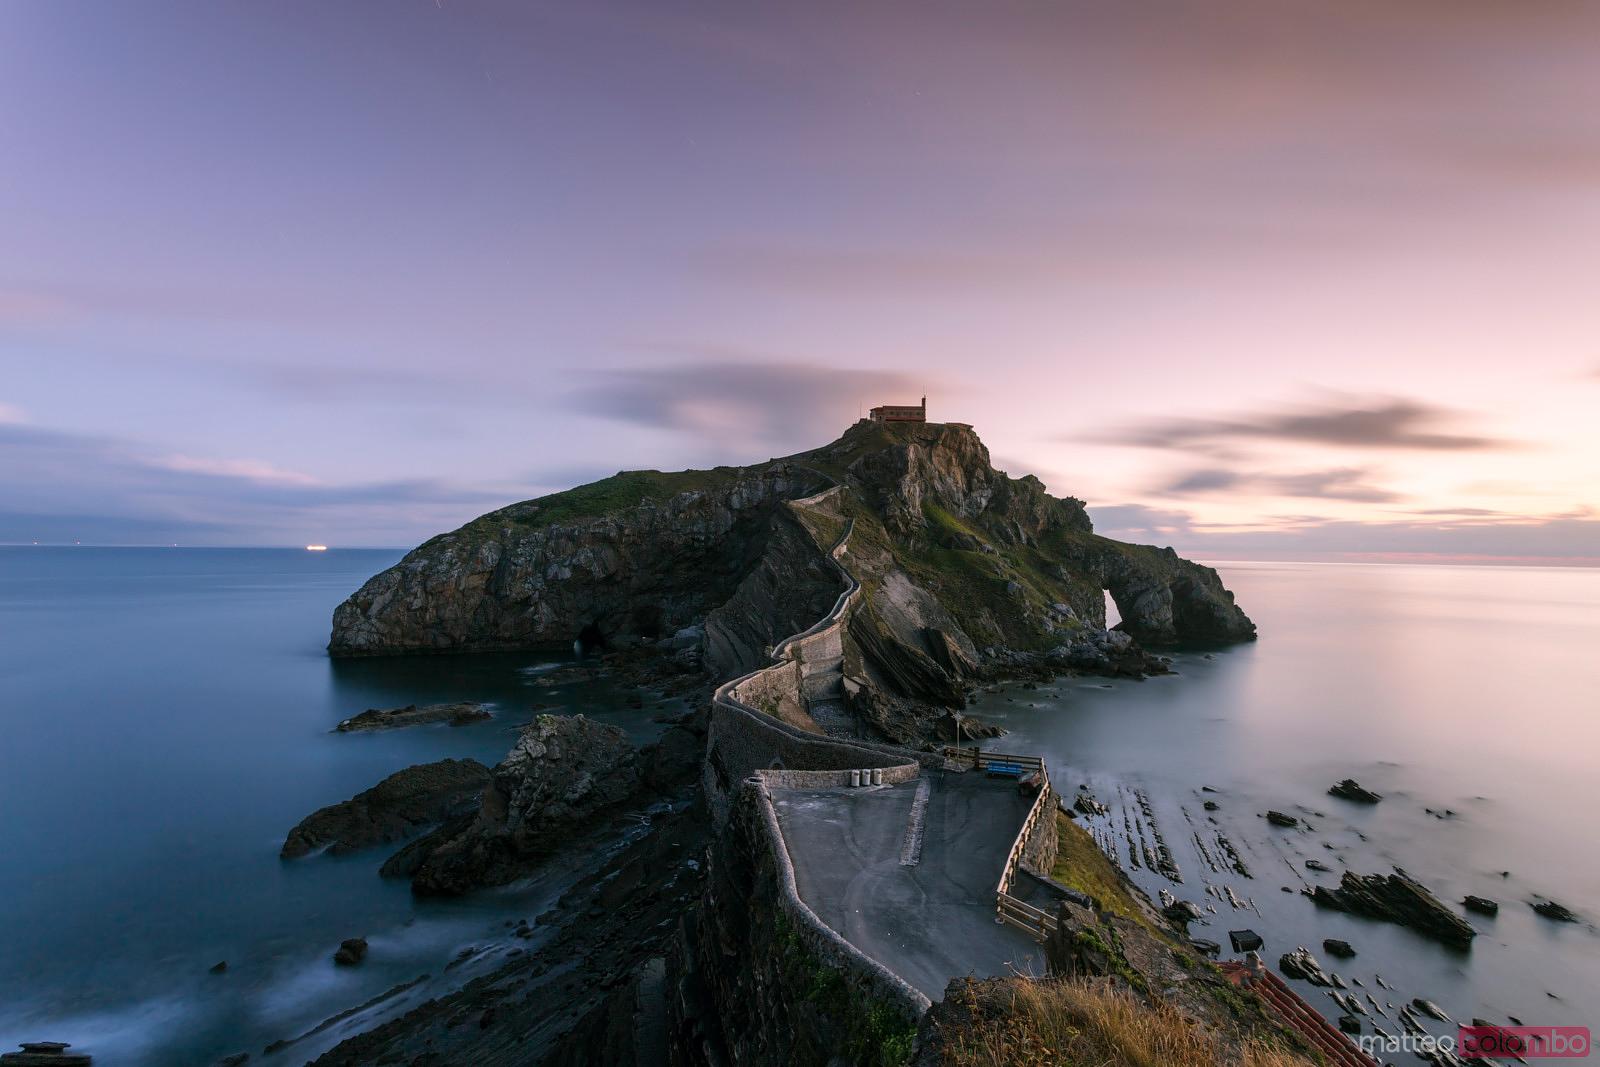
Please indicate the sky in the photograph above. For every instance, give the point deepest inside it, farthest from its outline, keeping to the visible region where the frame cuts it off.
(1267, 279)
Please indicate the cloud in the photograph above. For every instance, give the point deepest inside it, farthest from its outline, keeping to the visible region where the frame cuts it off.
(1566, 538)
(66, 486)
(779, 403)
(1393, 423)
(11, 415)
(253, 470)
(1344, 483)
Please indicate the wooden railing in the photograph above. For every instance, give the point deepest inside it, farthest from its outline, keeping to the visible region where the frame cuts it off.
(1035, 922)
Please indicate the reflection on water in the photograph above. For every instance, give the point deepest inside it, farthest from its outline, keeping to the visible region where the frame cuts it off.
(165, 721)
(1465, 689)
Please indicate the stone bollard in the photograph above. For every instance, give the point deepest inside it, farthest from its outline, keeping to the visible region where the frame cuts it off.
(855, 779)
(877, 776)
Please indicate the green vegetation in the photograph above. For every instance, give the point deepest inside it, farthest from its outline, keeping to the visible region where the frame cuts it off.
(1082, 866)
(876, 1034)
(626, 489)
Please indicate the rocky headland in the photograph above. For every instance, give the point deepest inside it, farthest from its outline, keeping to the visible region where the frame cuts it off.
(958, 576)
(966, 574)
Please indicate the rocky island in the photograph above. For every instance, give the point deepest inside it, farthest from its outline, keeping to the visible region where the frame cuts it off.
(842, 602)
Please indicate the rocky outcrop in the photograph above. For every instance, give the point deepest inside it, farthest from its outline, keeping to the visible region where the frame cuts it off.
(561, 773)
(411, 715)
(397, 808)
(1350, 789)
(640, 555)
(965, 572)
(1396, 898)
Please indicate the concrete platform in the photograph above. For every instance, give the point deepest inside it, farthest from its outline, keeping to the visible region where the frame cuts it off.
(929, 922)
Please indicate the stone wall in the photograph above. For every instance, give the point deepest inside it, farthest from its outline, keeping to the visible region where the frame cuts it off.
(1044, 842)
(758, 978)
(741, 743)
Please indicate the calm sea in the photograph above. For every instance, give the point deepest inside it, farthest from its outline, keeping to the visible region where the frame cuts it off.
(164, 721)
(165, 717)
(1473, 691)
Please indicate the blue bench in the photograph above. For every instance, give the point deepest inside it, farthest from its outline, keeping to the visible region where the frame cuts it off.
(1004, 770)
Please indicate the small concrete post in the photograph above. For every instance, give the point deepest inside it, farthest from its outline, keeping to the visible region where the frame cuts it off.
(855, 778)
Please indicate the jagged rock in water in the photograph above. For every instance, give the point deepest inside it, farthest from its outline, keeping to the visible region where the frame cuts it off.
(1278, 818)
(1350, 789)
(393, 718)
(1302, 964)
(352, 950)
(1552, 910)
(1335, 947)
(44, 1054)
(397, 808)
(1318, 865)
(1481, 905)
(562, 772)
(1428, 1007)
(1396, 898)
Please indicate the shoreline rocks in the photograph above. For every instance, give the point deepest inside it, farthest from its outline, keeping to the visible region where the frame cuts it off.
(1481, 905)
(1554, 911)
(1396, 898)
(396, 809)
(1350, 789)
(459, 714)
(352, 950)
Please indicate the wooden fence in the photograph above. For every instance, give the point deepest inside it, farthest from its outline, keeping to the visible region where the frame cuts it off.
(1033, 921)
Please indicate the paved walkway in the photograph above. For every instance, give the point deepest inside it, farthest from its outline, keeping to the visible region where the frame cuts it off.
(928, 922)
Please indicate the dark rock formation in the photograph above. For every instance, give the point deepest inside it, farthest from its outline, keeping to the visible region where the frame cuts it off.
(1481, 905)
(1334, 947)
(560, 774)
(1550, 909)
(1302, 964)
(1278, 818)
(397, 808)
(351, 951)
(44, 1054)
(1350, 789)
(965, 572)
(411, 715)
(1396, 898)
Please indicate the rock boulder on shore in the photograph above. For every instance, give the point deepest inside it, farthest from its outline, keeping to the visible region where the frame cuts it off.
(397, 808)
(560, 774)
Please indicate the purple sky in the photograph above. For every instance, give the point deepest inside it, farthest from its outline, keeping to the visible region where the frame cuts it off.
(1260, 279)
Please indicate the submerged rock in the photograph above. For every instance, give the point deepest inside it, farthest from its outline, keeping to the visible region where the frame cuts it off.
(1350, 789)
(1550, 909)
(1481, 905)
(1396, 898)
(397, 808)
(1335, 947)
(411, 715)
(1278, 818)
(351, 951)
(1302, 964)
(44, 1054)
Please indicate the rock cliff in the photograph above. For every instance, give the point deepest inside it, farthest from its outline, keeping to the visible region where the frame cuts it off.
(964, 571)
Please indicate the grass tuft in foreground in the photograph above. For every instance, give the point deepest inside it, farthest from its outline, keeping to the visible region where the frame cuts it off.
(1083, 1023)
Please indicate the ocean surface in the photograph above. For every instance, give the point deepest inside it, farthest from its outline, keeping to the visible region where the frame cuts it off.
(165, 718)
(1470, 691)
(164, 722)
